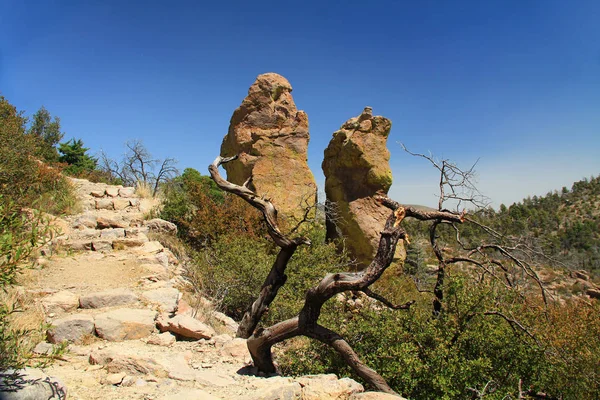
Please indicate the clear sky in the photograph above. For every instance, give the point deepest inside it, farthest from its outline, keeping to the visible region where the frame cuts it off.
(513, 83)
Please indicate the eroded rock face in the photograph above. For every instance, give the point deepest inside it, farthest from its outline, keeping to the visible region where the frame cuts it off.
(356, 168)
(271, 138)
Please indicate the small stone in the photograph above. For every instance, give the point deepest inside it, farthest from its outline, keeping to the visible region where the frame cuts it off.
(104, 223)
(115, 379)
(128, 381)
(43, 348)
(160, 225)
(162, 339)
(185, 326)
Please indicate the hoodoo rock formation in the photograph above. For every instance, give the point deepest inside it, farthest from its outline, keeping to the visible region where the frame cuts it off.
(356, 168)
(271, 138)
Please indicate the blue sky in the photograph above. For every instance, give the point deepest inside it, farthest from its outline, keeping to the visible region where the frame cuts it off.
(515, 84)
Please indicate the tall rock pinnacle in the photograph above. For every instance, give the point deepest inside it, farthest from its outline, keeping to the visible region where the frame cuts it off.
(356, 168)
(271, 138)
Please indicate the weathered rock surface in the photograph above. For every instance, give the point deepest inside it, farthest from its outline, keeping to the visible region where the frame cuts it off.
(125, 324)
(185, 326)
(166, 298)
(71, 329)
(31, 384)
(160, 225)
(356, 168)
(271, 138)
(328, 387)
(108, 298)
(61, 302)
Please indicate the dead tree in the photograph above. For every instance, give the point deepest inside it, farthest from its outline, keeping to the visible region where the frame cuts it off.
(277, 277)
(306, 323)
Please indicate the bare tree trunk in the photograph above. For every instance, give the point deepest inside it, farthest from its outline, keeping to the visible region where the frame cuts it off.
(276, 278)
(261, 341)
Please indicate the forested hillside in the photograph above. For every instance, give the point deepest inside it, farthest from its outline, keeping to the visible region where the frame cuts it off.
(565, 224)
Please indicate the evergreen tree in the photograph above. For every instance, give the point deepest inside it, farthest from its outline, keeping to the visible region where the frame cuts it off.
(48, 131)
(74, 154)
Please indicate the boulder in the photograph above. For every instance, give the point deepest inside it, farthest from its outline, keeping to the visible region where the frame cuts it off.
(271, 138)
(185, 326)
(61, 302)
(31, 384)
(356, 168)
(108, 298)
(125, 324)
(160, 225)
(72, 328)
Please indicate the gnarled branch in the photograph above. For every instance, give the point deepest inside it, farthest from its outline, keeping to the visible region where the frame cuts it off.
(276, 278)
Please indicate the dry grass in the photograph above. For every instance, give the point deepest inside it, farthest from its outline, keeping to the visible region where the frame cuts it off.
(143, 190)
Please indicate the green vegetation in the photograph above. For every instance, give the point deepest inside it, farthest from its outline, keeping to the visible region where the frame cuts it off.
(29, 187)
(489, 341)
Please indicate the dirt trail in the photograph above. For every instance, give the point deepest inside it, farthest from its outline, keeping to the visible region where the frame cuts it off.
(108, 290)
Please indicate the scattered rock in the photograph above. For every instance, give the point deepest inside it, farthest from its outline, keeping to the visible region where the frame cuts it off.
(102, 245)
(185, 326)
(166, 298)
(162, 339)
(43, 348)
(125, 324)
(160, 225)
(356, 168)
(108, 298)
(112, 233)
(71, 328)
(127, 243)
(271, 138)
(61, 302)
(115, 379)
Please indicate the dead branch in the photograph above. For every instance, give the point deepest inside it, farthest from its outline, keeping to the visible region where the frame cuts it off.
(277, 277)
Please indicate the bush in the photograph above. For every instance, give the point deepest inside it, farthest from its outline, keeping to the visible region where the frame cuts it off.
(460, 353)
(24, 179)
